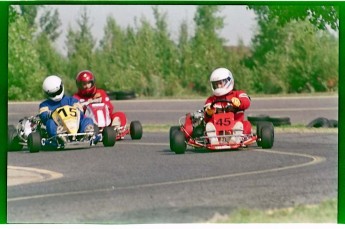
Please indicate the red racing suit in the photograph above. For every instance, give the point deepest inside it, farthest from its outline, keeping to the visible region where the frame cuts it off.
(100, 93)
(238, 112)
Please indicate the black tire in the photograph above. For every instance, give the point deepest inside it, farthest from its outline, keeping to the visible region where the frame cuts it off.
(259, 128)
(122, 95)
(267, 137)
(111, 95)
(34, 142)
(178, 142)
(108, 136)
(279, 121)
(13, 141)
(259, 118)
(172, 131)
(136, 130)
(333, 123)
(319, 122)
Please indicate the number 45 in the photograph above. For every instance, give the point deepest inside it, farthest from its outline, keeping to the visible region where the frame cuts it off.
(224, 122)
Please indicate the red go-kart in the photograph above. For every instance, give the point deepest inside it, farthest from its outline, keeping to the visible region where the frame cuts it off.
(192, 132)
(100, 115)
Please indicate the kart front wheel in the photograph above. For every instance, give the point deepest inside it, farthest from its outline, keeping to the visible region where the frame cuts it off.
(109, 136)
(178, 143)
(172, 131)
(259, 127)
(136, 130)
(267, 136)
(34, 142)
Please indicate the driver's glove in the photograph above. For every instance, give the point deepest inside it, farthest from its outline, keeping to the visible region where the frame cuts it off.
(210, 111)
(79, 106)
(49, 114)
(236, 102)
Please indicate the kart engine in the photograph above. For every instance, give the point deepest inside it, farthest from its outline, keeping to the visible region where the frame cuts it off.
(197, 118)
(26, 126)
(198, 123)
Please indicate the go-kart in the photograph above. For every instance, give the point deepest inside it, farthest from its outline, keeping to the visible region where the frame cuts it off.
(32, 132)
(192, 131)
(99, 113)
(17, 136)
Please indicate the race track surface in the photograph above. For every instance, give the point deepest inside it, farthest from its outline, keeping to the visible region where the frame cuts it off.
(142, 181)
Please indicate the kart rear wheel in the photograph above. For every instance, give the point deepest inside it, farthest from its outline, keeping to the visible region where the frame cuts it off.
(109, 136)
(178, 143)
(13, 141)
(265, 138)
(34, 142)
(172, 131)
(136, 130)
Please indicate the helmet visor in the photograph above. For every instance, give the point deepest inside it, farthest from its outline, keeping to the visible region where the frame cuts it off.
(85, 84)
(53, 94)
(219, 83)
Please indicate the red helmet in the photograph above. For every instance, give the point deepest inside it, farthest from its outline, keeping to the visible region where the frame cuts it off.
(85, 77)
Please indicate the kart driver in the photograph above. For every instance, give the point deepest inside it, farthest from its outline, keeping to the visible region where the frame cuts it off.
(54, 91)
(222, 84)
(87, 92)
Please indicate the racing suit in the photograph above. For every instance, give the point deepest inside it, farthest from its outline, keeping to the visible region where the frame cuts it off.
(118, 118)
(238, 112)
(47, 107)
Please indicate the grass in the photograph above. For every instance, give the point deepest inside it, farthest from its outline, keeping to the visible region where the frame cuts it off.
(325, 212)
(281, 129)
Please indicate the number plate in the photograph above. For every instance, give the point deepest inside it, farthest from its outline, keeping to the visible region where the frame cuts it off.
(223, 121)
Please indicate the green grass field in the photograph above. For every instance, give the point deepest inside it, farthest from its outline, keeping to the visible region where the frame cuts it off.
(325, 212)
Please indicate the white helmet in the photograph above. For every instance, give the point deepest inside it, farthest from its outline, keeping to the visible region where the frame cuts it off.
(222, 81)
(53, 88)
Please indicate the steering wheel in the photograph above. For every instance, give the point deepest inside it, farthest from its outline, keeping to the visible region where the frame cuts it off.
(227, 108)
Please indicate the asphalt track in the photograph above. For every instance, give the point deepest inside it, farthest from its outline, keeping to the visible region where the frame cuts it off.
(143, 182)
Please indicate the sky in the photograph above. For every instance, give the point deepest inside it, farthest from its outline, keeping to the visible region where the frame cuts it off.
(239, 22)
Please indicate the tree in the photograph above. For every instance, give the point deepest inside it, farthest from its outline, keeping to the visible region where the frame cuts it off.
(185, 58)
(25, 73)
(12, 14)
(80, 48)
(49, 58)
(267, 39)
(320, 16)
(303, 62)
(29, 13)
(111, 57)
(166, 53)
(313, 58)
(49, 23)
(207, 46)
(286, 51)
(146, 59)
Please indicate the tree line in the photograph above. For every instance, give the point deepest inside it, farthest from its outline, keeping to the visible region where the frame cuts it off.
(289, 53)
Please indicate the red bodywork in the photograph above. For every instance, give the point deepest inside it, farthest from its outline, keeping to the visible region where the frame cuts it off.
(224, 123)
(99, 112)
